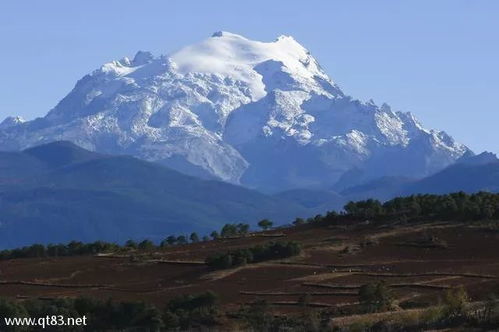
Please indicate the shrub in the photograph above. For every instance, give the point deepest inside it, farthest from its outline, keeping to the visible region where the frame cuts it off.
(194, 237)
(256, 316)
(271, 250)
(181, 239)
(455, 301)
(171, 240)
(146, 245)
(432, 315)
(265, 224)
(186, 311)
(228, 230)
(299, 221)
(101, 315)
(375, 297)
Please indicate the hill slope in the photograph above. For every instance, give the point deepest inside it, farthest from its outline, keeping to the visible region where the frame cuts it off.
(460, 177)
(471, 174)
(66, 193)
(420, 263)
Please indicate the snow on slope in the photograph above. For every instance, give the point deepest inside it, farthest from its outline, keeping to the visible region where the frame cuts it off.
(234, 56)
(11, 121)
(263, 114)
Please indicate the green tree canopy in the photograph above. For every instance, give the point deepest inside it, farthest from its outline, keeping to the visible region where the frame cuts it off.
(265, 224)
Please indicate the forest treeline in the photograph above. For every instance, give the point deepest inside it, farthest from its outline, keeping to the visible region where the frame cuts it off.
(456, 206)
(78, 248)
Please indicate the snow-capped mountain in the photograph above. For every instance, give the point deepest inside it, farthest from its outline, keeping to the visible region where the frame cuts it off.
(11, 121)
(262, 114)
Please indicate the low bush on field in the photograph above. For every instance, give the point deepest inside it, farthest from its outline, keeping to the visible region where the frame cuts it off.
(260, 253)
(375, 297)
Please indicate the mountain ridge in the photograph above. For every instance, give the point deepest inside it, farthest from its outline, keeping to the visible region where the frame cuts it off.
(470, 174)
(59, 192)
(261, 114)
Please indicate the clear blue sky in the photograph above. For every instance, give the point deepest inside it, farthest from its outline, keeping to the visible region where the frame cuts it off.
(437, 59)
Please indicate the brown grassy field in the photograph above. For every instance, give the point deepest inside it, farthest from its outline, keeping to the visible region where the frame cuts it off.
(330, 274)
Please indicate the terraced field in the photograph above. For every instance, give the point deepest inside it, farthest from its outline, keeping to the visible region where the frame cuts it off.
(334, 264)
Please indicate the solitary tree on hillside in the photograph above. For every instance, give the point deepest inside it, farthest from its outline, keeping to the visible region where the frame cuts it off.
(181, 239)
(171, 240)
(243, 228)
(131, 244)
(228, 230)
(298, 221)
(194, 237)
(214, 235)
(265, 224)
(146, 245)
(38, 250)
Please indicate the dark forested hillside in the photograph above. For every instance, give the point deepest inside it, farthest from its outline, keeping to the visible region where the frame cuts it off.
(60, 192)
(415, 263)
(471, 175)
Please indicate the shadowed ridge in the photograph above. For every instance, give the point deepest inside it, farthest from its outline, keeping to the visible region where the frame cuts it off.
(61, 153)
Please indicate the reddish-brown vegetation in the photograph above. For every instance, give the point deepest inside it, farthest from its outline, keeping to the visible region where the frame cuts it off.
(417, 276)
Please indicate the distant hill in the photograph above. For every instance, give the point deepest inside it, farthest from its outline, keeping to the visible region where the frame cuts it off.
(382, 188)
(467, 177)
(471, 174)
(60, 154)
(60, 192)
(318, 201)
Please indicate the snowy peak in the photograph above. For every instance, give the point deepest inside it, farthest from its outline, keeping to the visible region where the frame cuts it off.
(142, 57)
(234, 56)
(262, 114)
(11, 121)
(226, 34)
